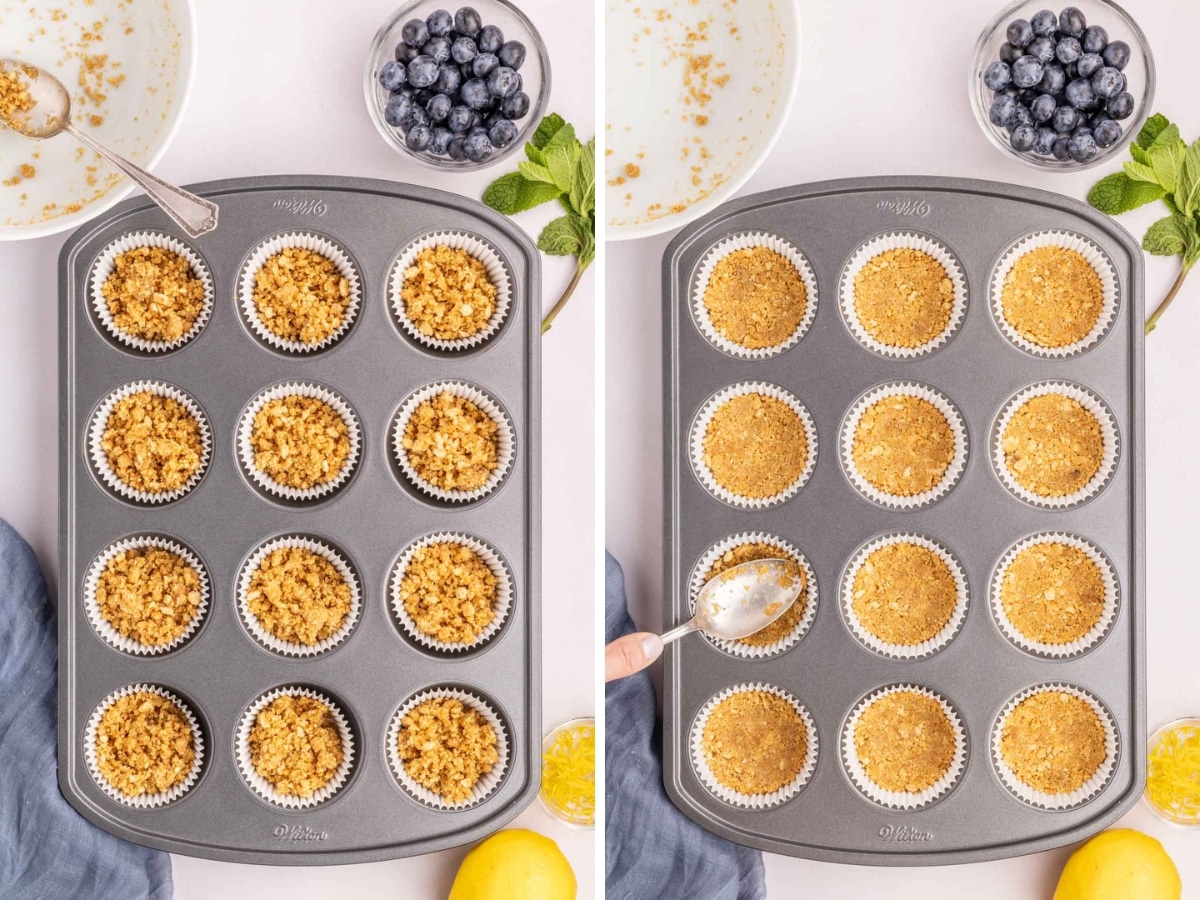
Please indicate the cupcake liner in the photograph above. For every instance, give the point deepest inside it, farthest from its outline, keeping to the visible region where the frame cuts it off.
(903, 799)
(106, 263)
(502, 605)
(292, 648)
(100, 458)
(953, 472)
(737, 648)
(745, 242)
(486, 785)
(477, 247)
(700, 428)
(308, 241)
(506, 444)
(1094, 255)
(737, 798)
(1092, 787)
(110, 635)
(142, 801)
(260, 785)
(1076, 647)
(904, 651)
(303, 389)
(1108, 428)
(897, 240)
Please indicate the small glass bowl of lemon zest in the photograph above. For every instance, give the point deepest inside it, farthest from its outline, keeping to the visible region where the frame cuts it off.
(569, 773)
(1173, 772)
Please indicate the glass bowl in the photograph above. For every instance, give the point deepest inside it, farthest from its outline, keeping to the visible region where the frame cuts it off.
(1189, 722)
(1120, 27)
(554, 812)
(535, 74)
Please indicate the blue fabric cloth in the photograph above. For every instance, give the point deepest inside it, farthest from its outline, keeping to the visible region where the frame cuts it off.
(652, 851)
(47, 850)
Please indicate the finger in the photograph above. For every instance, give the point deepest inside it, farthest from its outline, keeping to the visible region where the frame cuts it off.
(630, 654)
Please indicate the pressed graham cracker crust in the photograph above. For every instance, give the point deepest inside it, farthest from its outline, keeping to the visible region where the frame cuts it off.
(904, 593)
(755, 298)
(1053, 445)
(754, 742)
(1053, 741)
(903, 298)
(905, 742)
(1052, 593)
(1052, 296)
(755, 446)
(903, 445)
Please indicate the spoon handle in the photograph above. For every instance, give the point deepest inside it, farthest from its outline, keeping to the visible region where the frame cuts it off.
(193, 214)
(676, 633)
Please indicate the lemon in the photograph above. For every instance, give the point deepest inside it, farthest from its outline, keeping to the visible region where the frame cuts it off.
(1121, 864)
(516, 864)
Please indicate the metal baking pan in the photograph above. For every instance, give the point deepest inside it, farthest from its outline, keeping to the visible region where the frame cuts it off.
(221, 669)
(828, 670)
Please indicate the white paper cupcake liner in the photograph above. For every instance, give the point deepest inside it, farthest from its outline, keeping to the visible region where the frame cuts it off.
(745, 242)
(110, 635)
(100, 458)
(897, 240)
(293, 648)
(1081, 645)
(737, 798)
(308, 241)
(501, 606)
(700, 428)
(1091, 787)
(1108, 429)
(903, 799)
(506, 445)
(906, 651)
(142, 801)
(1097, 258)
(260, 785)
(497, 274)
(302, 389)
(486, 786)
(958, 462)
(106, 263)
(786, 550)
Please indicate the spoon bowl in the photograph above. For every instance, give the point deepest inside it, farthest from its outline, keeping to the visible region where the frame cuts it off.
(743, 599)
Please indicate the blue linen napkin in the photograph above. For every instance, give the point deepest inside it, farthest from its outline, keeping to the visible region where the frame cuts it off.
(651, 849)
(47, 850)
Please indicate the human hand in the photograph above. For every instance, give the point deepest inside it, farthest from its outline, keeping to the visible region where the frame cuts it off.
(631, 653)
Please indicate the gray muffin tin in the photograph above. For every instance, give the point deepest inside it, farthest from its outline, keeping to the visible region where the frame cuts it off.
(221, 669)
(828, 670)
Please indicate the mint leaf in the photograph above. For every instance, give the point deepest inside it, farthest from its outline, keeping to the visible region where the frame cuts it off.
(547, 128)
(1187, 189)
(1139, 154)
(1170, 236)
(1141, 172)
(534, 172)
(1151, 130)
(562, 161)
(560, 238)
(564, 137)
(1166, 156)
(583, 191)
(1118, 193)
(514, 193)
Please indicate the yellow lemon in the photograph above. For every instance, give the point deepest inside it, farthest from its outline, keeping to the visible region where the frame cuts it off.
(513, 864)
(1121, 864)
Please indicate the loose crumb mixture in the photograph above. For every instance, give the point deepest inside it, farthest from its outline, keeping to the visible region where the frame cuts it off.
(152, 443)
(1052, 296)
(1052, 593)
(786, 623)
(14, 92)
(903, 445)
(904, 593)
(1053, 445)
(754, 742)
(447, 294)
(144, 745)
(301, 296)
(903, 298)
(451, 443)
(153, 294)
(1053, 741)
(447, 747)
(755, 298)
(905, 742)
(295, 745)
(149, 595)
(299, 442)
(299, 596)
(755, 446)
(449, 592)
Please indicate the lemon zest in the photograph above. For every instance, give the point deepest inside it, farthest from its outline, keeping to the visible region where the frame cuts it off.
(1173, 775)
(569, 774)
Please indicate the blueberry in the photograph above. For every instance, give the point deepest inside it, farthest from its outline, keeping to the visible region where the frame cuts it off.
(1082, 130)
(1071, 21)
(422, 71)
(1121, 106)
(419, 137)
(476, 95)
(1116, 55)
(1071, 70)
(415, 33)
(490, 39)
(467, 21)
(441, 140)
(1043, 108)
(1068, 50)
(397, 109)
(1090, 64)
(516, 106)
(1043, 140)
(414, 118)
(438, 48)
(422, 97)
(439, 107)
(1022, 117)
(1094, 39)
(1107, 133)
(1002, 111)
(455, 149)
(463, 50)
(1010, 54)
(405, 53)
(477, 147)
(1022, 138)
(1080, 94)
(997, 76)
(1042, 49)
(1065, 119)
(449, 79)
(1060, 149)
(512, 54)
(1108, 82)
(1009, 91)
(1043, 22)
(459, 119)
(1019, 32)
(1054, 79)
(476, 121)
(467, 70)
(503, 133)
(393, 76)
(1097, 117)
(1026, 72)
(503, 81)
(439, 22)
(483, 64)
(1027, 96)
(1081, 147)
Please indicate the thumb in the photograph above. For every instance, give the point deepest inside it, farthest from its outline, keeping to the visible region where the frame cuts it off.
(630, 654)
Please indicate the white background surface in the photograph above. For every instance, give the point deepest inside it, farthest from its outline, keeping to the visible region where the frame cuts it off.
(278, 90)
(883, 92)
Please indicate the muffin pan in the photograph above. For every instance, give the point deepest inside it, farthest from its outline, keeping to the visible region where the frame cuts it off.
(978, 671)
(221, 668)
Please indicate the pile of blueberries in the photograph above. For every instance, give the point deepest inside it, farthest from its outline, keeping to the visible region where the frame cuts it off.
(455, 89)
(1059, 88)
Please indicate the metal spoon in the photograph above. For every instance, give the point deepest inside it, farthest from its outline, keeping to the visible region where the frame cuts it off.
(51, 115)
(743, 599)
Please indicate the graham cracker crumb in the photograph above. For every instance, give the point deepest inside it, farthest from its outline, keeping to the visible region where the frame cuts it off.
(1052, 593)
(152, 443)
(15, 99)
(755, 298)
(27, 171)
(144, 744)
(905, 742)
(754, 742)
(786, 623)
(300, 442)
(447, 747)
(301, 296)
(449, 592)
(153, 294)
(295, 745)
(903, 445)
(149, 595)
(904, 593)
(451, 443)
(903, 298)
(447, 294)
(1053, 741)
(755, 445)
(1052, 296)
(299, 596)
(1053, 445)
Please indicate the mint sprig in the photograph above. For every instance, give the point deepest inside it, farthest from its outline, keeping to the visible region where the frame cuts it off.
(556, 167)
(1164, 167)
